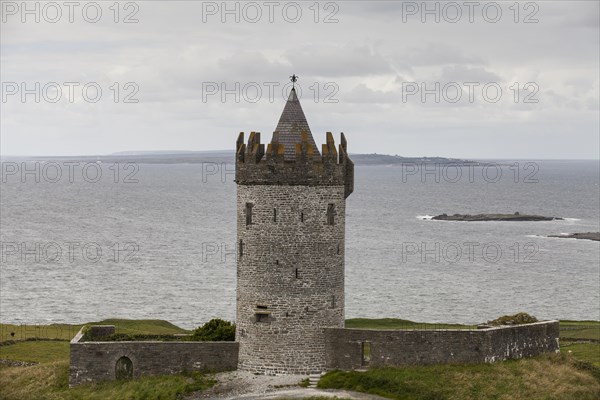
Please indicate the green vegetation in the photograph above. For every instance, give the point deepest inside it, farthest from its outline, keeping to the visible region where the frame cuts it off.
(215, 330)
(546, 377)
(517, 319)
(580, 330)
(136, 337)
(586, 352)
(36, 351)
(51, 381)
(581, 339)
(395, 323)
(67, 331)
(143, 326)
(304, 383)
(53, 331)
(574, 374)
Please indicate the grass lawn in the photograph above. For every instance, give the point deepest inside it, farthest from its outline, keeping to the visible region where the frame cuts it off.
(36, 351)
(586, 352)
(395, 323)
(67, 332)
(580, 330)
(50, 379)
(572, 333)
(547, 377)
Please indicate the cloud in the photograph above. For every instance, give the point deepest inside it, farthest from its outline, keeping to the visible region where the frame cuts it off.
(172, 54)
(437, 54)
(462, 73)
(335, 61)
(363, 94)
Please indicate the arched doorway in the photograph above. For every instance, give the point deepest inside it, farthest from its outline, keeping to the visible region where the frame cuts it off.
(124, 368)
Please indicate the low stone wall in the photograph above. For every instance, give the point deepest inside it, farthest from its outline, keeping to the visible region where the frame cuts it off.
(361, 348)
(521, 341)
(97, 361)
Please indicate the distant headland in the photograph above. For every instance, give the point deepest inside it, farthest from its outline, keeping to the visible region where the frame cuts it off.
(581, 235)
(219, 156)
(494, 217)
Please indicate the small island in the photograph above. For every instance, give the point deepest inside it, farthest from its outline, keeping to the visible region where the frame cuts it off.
(581, 235)
(493, 217)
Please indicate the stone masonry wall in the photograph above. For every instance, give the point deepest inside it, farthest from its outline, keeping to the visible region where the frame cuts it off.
(96, 361)
(521, 341)
(418, 347)
(290, 282)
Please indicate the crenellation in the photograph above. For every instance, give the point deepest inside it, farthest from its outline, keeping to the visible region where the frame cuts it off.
(254, 166)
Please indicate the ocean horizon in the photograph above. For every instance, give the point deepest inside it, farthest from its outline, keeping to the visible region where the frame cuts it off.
(157, 241)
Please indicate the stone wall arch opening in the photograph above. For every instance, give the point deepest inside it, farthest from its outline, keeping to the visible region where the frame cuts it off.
(124, 368)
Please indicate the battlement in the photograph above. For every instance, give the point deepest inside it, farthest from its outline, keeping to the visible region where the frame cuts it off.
(331, 167)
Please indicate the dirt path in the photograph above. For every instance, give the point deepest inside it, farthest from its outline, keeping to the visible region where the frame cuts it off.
(247, 386)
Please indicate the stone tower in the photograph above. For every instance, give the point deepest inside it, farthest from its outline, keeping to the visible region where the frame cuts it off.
(291, 202)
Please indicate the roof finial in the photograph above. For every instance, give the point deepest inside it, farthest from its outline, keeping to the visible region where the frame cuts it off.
(294, 78)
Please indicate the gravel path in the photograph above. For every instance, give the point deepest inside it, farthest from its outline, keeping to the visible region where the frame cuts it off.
(234, 384)
(247, 386)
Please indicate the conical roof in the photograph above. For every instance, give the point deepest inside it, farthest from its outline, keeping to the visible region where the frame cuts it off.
(291, 124)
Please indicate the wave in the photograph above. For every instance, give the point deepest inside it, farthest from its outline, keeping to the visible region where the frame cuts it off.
(425, 217)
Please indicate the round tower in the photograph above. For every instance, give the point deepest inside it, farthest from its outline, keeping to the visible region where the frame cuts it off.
(291, 202)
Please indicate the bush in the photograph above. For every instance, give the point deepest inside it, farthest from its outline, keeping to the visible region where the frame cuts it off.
(517, 319)
(215, 330)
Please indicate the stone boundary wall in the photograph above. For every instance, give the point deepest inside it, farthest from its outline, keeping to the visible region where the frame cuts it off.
(97, 361)
(362, 348)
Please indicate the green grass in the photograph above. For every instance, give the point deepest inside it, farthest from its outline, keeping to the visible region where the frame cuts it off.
(53, 331)
(572, 333)
(586, 352)
(395, 323)
(568, 329)
(36, 351)
(546, 377)
(588, 330)
(51, 381)
(551, 377)
(67, 331)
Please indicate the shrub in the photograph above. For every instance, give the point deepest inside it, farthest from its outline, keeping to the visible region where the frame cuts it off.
(215, 330)
(517, 319)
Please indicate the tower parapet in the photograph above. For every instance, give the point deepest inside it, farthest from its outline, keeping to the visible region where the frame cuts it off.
(254, 166)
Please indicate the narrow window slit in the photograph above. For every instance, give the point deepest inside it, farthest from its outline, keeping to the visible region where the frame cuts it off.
(331, 214)
(249, 213)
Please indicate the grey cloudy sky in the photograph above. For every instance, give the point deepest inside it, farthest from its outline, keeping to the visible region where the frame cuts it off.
(371, 69)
